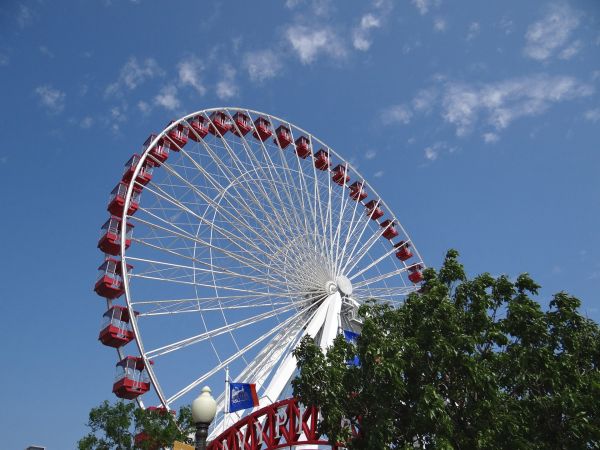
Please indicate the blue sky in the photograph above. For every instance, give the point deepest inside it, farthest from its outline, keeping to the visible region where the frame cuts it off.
(478, 125)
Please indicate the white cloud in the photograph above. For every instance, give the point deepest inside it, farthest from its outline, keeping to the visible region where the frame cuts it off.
(227, 87)
(422, 5)
(474, 29)
(490, 138)
(378, 174)
(571, 50)
(133, 74)
(86, 122)
(24, 15)
(52, 99)
(118, 116)
(593, 115)
(189, 72)
(503, 102)
(144, 107)
(425, 99)
(262, 65)
(439, 24)
(361, 39)
(431, 153)
(308, 43)
(167, 98)
(398, 114)
(552, 33)
(45, 51)
(4, 59)
(370, 154)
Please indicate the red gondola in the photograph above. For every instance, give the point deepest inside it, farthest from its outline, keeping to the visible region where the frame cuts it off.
(144, 175)
(302, 146)
(243, 124)
(374, 211)
(178, 135)
(263, 129)
(389, 227)
(284, 136)
(357, 191)
(115, 330)
(159, 153)
(414, 273)
(339, 175)
(117, 199)
(322, 161)
(110, 239)
(110, 280)
(403, 252)
(219, 123)
(198, 128)
(131, 379)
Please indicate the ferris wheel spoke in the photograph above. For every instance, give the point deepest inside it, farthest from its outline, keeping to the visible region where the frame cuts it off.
(231, 237)
(266, 230)
(375, 262)
(235, 356)
(216, 332)
(350, 235)
(347, 228)
(235, 218)
(355, 257)
(357, 240)
(378, 278)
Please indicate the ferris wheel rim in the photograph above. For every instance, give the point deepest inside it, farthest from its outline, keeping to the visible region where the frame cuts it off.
(124, 217)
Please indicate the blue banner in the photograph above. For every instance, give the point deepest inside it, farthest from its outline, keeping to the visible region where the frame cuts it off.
(351, 337)
(242, 396)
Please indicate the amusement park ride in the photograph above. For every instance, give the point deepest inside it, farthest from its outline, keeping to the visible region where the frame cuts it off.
(231, 236)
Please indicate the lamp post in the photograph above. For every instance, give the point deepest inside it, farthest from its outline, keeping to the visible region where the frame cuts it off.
(204, 408)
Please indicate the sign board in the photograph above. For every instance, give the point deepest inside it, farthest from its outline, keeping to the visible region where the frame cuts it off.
(181, 446)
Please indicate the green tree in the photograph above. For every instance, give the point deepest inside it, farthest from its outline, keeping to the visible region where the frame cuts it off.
(116, 427)
(463, 364)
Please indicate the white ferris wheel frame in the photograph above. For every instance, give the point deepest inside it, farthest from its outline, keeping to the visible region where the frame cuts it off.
(325, 317)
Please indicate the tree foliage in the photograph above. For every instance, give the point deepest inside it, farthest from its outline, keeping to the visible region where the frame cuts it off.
(116, 427)
(463, 364)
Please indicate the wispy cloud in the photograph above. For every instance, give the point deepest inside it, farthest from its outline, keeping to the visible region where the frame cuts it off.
(422, 5)
(439, 24)
(227, 86)
(503, 102)
(370, 154)
(490, 138)
(361, 35)
(551, 34)
(189, 72)
(52, 99)
(46, 52)
(425, 100)
(309, 43)
(4, 59)
(167, 98)
(592, 115)
(133, 74)
(474, 29)
(262, 65)
(24, 15)
(398, 114)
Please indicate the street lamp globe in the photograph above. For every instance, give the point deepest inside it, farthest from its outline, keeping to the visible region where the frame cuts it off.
(204, 408)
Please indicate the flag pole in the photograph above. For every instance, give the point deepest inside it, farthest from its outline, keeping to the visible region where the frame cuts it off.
(227, 390)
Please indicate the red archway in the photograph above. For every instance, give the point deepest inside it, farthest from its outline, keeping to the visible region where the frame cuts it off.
(283, 424)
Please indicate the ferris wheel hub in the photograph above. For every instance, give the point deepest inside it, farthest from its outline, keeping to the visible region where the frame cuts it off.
(344, 285)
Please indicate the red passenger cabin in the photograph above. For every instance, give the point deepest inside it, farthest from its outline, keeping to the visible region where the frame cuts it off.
(110, 279)
(302, 147)
(414, 273)
(131, 379)
(322, 161)
(178, 135)
(198, 128)
(110, 239)
(374, 211)
(357, 191)
(117, 200)
(339, 175)
(159, 153)
(389, 229)
(403, 252)
(284, 136)
(263, 129)
(115, 330)
(243, 124)
(220, 123)
(144, 175)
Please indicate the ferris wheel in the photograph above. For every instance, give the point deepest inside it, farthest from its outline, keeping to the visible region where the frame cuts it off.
(231, 236)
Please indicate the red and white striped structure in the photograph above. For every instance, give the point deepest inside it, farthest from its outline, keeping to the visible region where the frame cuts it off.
(230, 236)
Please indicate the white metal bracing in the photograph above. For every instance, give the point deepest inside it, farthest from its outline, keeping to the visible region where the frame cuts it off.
(237, 249)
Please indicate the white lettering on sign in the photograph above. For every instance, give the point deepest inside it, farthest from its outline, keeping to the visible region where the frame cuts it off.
(280, 419)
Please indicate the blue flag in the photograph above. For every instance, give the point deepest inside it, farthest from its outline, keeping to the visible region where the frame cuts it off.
(351, 337)
(242, 396)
